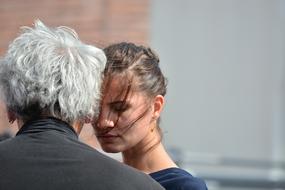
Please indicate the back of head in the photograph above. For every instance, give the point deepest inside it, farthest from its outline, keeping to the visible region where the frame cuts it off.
(50, 72)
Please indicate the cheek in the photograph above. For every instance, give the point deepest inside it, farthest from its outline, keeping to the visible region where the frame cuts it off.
(134, 119)
(135, 134)
(139, 128)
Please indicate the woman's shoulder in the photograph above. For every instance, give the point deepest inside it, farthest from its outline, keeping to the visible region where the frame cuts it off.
(178, 179)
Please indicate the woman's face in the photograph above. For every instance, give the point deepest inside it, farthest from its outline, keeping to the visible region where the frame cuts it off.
(125, 118)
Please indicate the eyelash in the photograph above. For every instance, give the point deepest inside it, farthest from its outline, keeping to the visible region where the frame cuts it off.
(119, 107)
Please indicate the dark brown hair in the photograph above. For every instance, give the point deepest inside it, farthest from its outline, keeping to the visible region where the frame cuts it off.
(140, 62)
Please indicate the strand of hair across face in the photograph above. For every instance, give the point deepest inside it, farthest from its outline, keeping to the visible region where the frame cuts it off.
(132, 123)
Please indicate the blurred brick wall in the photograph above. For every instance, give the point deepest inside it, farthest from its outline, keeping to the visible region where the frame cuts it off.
(98, 22)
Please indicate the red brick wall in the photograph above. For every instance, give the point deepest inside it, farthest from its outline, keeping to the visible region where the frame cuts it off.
(98, 22)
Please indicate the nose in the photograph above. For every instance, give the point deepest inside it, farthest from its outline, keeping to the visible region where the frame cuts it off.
(106, 120)
(105, 123)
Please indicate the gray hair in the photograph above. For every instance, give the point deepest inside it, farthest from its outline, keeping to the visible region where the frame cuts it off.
(49, 71)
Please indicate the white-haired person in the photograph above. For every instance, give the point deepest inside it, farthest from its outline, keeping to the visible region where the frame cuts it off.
(50, 83)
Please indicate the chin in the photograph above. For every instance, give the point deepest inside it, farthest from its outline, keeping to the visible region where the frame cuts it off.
(110, 149)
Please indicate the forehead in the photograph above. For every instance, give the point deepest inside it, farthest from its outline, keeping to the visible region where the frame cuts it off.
(116, 83)
(118, 86)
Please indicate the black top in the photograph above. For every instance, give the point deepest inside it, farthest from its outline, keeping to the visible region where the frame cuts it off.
(4, 136)
(178, 179)
(46, 155)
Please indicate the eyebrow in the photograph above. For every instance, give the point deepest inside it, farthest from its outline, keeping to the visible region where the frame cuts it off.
(118, 102)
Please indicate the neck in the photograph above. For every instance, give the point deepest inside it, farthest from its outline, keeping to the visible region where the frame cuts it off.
(149, 155)
(77, 126)
(20, 123)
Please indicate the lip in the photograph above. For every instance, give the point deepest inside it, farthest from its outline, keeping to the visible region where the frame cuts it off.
(107, 136)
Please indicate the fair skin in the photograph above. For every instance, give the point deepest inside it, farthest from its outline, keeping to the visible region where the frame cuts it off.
(87, 136)
(6, 125)
(128, 124)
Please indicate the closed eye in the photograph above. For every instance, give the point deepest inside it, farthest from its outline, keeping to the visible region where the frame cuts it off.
(119, 106)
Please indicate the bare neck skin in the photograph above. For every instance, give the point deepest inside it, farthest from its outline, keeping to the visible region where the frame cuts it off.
(149, 155)
(87, 135)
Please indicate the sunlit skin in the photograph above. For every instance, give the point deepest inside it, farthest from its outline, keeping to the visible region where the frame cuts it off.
(87, 136)
(6, 125)
(128, 123)
(3, 118)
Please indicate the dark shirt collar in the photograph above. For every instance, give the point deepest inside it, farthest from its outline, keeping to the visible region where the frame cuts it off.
(47, 124)
(5, 136)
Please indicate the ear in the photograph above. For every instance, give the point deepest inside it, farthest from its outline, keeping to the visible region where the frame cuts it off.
(11, 116)
(158, 106)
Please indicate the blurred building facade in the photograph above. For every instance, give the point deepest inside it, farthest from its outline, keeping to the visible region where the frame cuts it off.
(98, 22)
(225, 107)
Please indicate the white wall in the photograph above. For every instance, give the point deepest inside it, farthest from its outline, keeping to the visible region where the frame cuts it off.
(224, 60)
